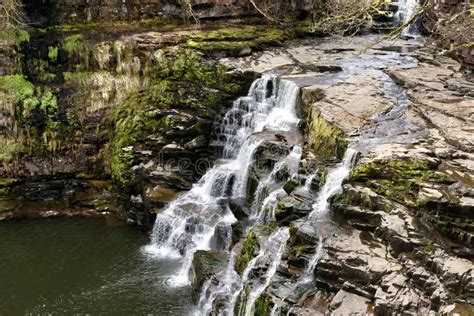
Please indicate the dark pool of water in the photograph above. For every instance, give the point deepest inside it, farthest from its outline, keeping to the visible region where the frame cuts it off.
(83, 266)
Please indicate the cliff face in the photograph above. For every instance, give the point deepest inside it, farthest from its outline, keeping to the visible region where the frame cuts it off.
(79, 11)
(114, 103)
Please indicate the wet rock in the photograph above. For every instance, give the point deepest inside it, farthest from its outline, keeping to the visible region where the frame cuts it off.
(160, 195)
(198, 142)
(205, 265)
(290, 209)
(248, 250)
(221, 239)
(290, 186)
(239, 208)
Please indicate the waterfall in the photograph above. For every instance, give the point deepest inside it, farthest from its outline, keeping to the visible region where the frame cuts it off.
(274, 251)
(406, 10)
(332, 187)
(270, 253)
(333, 183)
(189, 222)
(270, 185)
(306, 277)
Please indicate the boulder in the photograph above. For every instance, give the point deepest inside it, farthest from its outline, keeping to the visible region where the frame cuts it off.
(205, 265)
(290, 208)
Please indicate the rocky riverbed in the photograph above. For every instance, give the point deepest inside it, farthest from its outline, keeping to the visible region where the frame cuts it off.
(276, 171)
(400, 236)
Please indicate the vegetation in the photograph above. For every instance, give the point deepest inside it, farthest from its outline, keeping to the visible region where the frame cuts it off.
(451, 32)
(73, 44)
(12, 23)
(179, 80)
(400, 179)
(9, 148)
(249, 247)
(325, 140)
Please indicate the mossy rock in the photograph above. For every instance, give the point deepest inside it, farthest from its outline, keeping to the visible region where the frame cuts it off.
(239, 41)
(249, 249)
(262, 307)
(290, 186)
(205, 265)
(325, 140)
(399, 180)
(290, 209)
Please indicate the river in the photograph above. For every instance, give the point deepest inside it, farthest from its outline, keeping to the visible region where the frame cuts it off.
(82, 265)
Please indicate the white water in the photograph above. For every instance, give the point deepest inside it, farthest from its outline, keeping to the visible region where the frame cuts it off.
(333, 183)
(189, 222)
(226, 285)
(274, 252)
(309, 182)
(270, 253)
(269, 190)
(306, 277)
(332, 187)
(408, 9)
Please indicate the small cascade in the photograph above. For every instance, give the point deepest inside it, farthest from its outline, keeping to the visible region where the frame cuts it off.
(333, 186)
(407, 9)
(333, 183)
(269, 255)
(269, 190)
(226, 285)
(189, 223)
(272, 249)
(305, 278)
(309, 182)
(232, 286)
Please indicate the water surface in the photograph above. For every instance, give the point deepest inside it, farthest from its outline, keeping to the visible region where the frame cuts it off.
(83, 266)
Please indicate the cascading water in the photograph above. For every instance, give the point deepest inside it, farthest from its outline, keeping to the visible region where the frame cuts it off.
(189, 222)
(333, 183)
(273, 250)
(281, 118)
(306, 277)
(269, 190)
(407, 9)
(332, 187)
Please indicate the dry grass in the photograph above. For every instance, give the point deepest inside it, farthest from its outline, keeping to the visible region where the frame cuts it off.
(11, 14)
(453, 29)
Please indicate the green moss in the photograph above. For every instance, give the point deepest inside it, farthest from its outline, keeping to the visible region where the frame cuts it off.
(325, 140)
(249, 247)
(290, 186)
(16, 87)
(262, 307)
(238, 41)
(72, 120)
(399, 179)
(73, 43)
(41, 69)
(9, 148)
(267, 229)
(235, 48)
(180, 80)
(14, 35)
(298, 250)
(134, 120)
(53, 53)
(79, 76)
